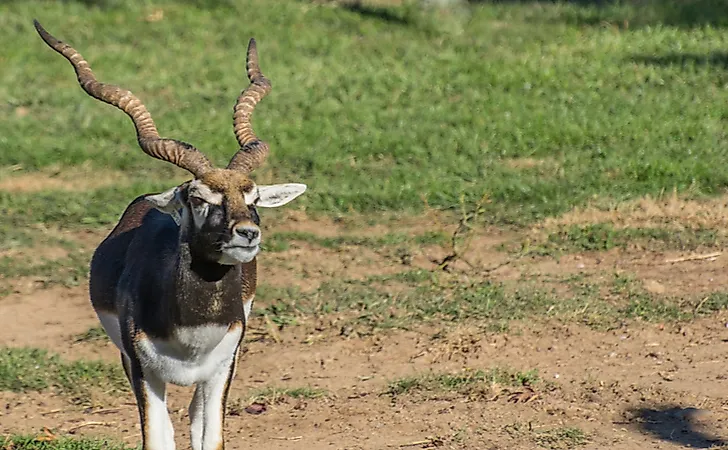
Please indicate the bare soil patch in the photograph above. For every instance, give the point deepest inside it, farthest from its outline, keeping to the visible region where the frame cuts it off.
(639, 385)
(81, 178)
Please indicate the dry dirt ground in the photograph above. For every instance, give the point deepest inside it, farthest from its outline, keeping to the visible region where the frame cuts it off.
(637, 386)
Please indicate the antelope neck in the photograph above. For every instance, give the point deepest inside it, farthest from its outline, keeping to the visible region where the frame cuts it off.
(208, 293)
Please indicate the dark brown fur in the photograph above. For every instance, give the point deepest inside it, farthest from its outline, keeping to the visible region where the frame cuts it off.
(145, 259)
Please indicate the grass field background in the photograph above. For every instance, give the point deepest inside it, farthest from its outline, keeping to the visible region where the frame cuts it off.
(538, 106)
(516, 112)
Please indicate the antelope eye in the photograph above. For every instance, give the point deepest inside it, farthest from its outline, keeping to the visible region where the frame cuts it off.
(196, 202)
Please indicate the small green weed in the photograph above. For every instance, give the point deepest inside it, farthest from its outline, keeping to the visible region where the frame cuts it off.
(561, 438)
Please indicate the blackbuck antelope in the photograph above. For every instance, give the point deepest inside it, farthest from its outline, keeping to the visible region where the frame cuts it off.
(174, 282)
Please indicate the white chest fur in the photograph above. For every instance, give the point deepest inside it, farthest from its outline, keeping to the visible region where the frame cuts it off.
(191, 355)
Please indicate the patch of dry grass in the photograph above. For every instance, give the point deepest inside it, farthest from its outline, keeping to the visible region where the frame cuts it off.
(667, 211)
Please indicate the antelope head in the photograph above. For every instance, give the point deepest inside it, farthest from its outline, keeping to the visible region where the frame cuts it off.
(216, 210)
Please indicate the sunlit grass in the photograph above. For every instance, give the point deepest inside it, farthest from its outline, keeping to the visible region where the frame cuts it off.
(528, 104)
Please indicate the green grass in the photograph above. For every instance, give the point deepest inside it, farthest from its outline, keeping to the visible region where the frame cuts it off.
(373, 306)
(561, 438)
(540, 106)
(466, 382)
(67, 271)
(93, 334)
(643, 13)
(603, 237)
(412, 298)
(279, 241)
(95, 208)
(273, 395)
(18, 442)
(30, 369)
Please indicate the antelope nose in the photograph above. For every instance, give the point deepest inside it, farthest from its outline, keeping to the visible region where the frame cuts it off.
(248, 232)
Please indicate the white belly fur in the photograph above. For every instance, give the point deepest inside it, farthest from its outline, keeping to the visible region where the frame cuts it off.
(191, 355)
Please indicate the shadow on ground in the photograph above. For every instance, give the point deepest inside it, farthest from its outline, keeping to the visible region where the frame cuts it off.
(375, 12)
(636, 13)
(683, 426)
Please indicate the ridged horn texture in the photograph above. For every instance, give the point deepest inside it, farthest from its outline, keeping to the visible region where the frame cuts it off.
(177, 152)
(252, 151)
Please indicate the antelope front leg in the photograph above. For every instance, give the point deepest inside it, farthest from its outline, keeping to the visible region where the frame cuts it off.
(207, 409)
(126, 364)
(151, 396)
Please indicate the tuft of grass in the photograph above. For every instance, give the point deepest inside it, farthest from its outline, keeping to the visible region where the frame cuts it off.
(93, 334)
(561, 438)
(715, 301)
(31, 369)
(464, 383)
(20, 442)
(274, 395)
(25, 369)
(641, 305)
(281, 306)
(410, 277)
(603, 237)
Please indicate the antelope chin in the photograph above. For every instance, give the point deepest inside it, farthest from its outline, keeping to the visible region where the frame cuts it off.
(232, 255)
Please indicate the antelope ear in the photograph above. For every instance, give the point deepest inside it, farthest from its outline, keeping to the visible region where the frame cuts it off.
(275, 195)
(168, 202)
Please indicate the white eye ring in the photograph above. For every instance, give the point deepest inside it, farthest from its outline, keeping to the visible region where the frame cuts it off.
(252, 197)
